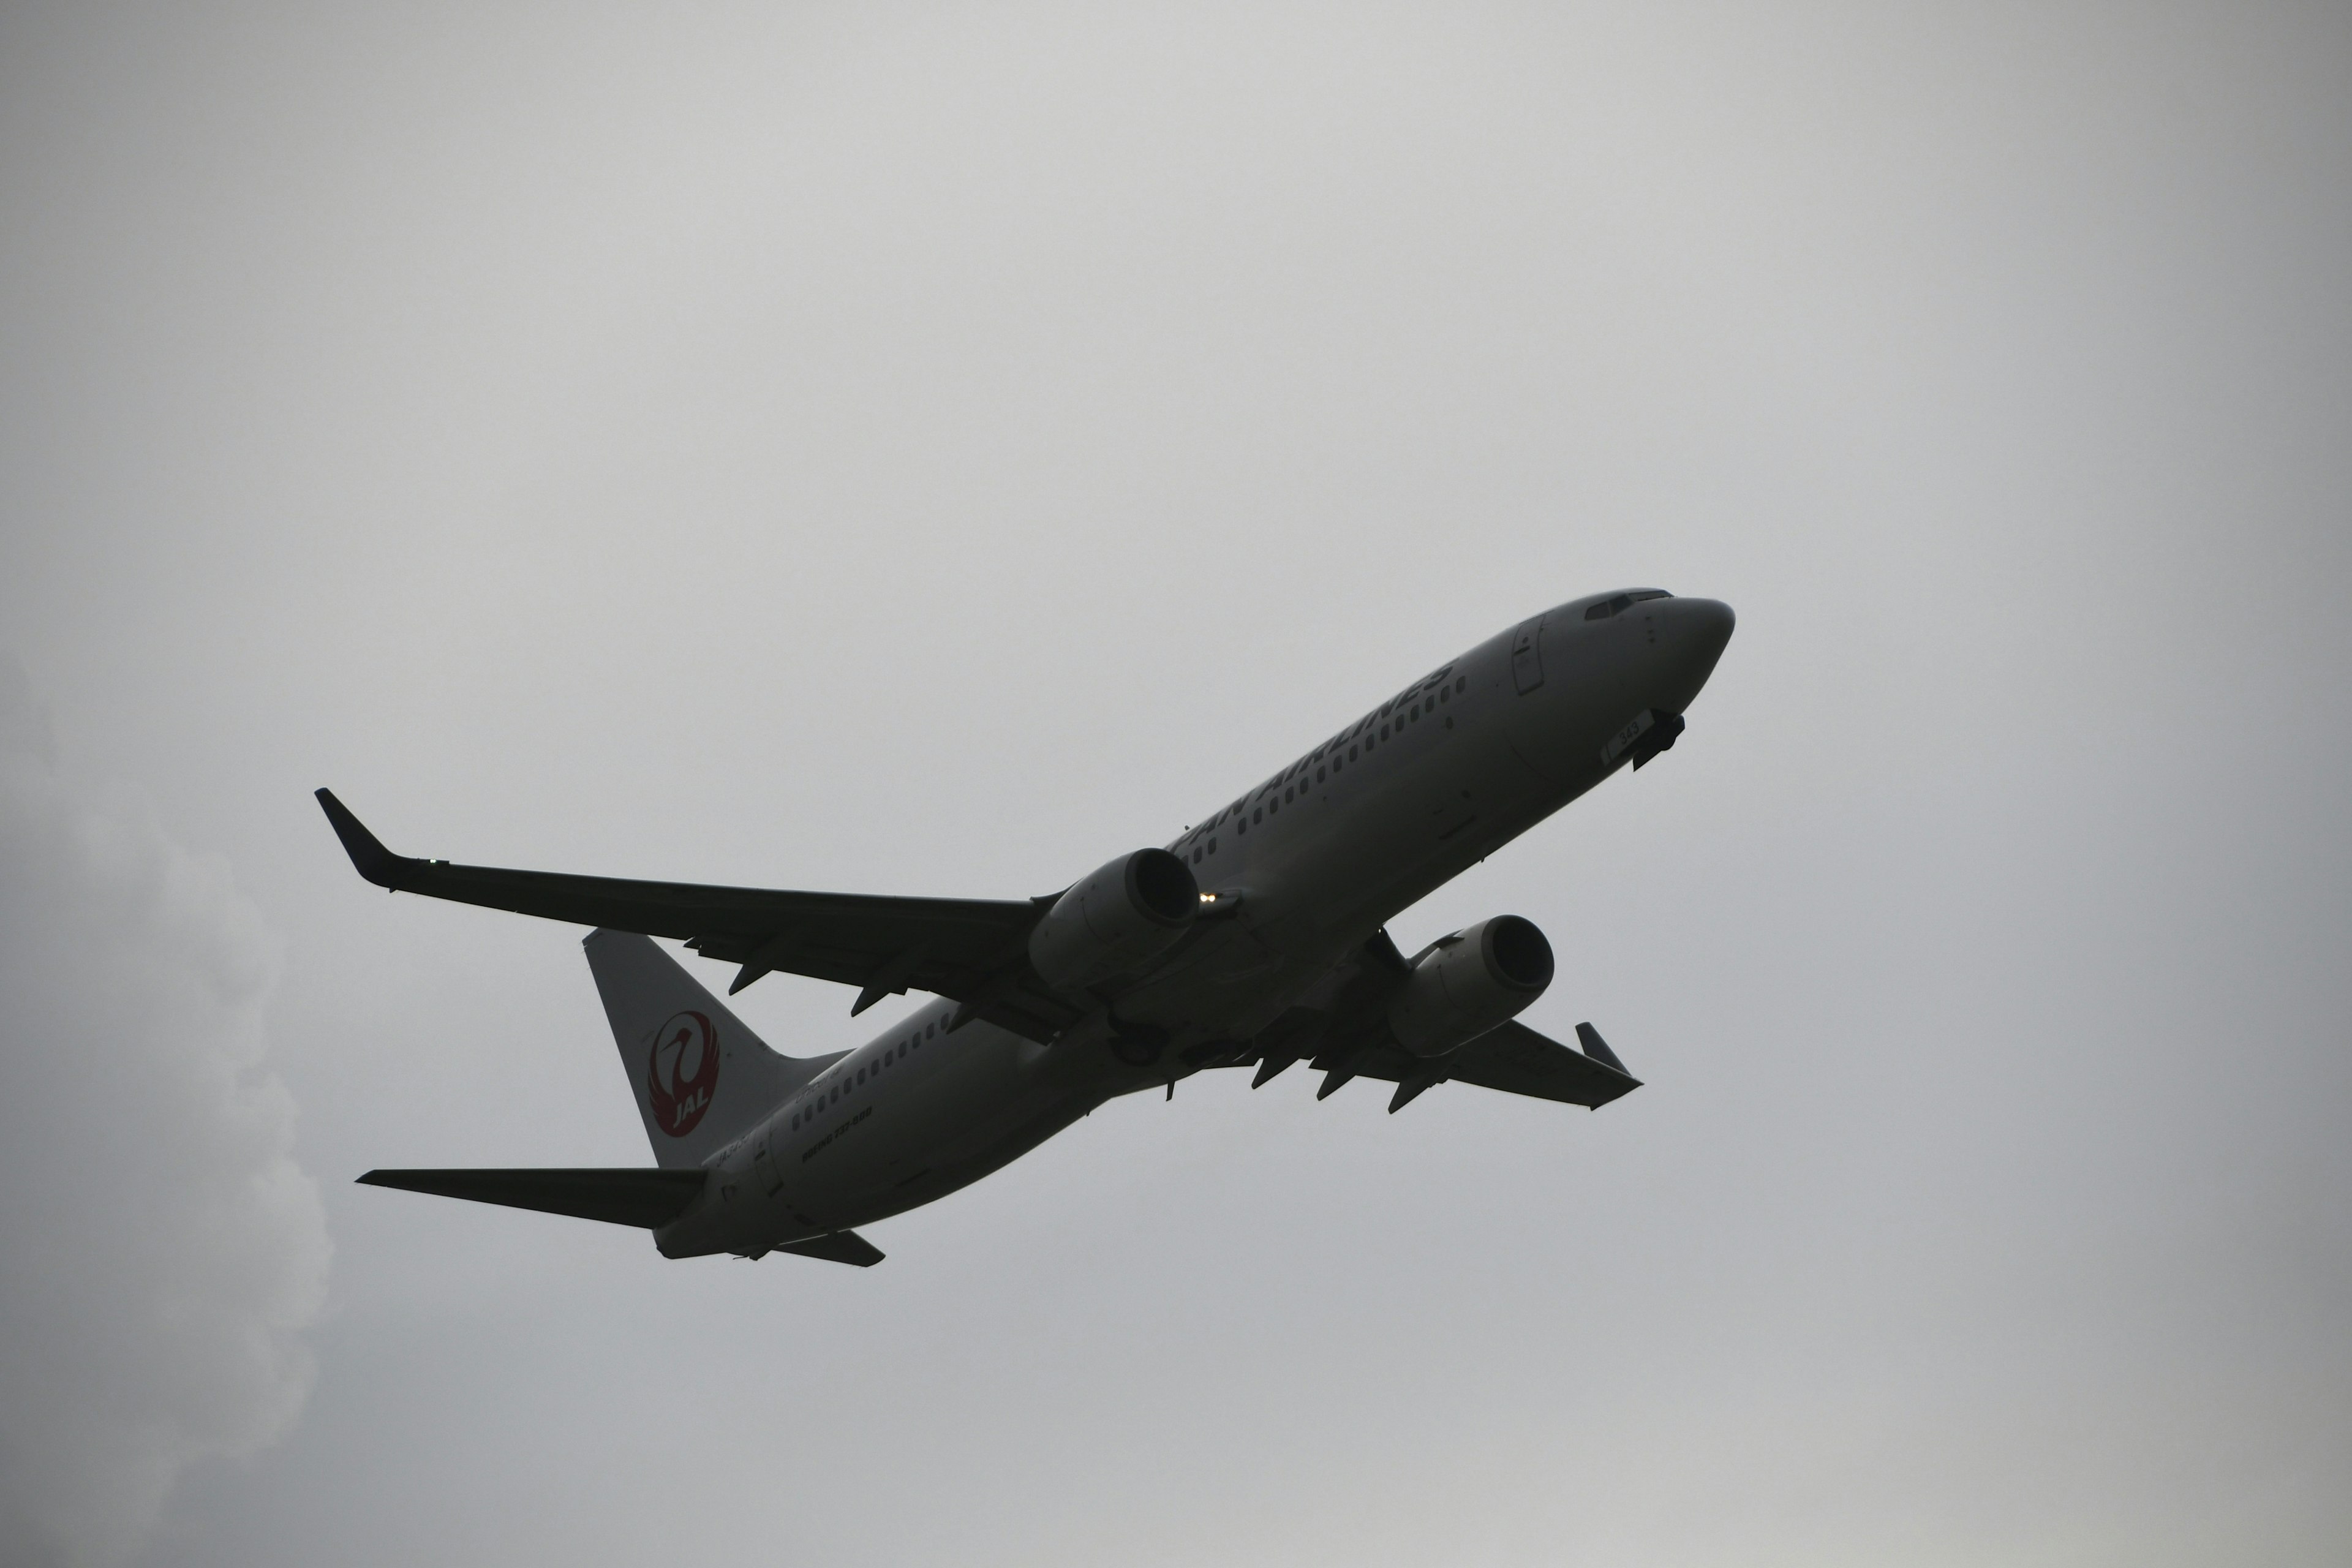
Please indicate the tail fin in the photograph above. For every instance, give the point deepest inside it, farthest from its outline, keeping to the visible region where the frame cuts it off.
(700, 1078)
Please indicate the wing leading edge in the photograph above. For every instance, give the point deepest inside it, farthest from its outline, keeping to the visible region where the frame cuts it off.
(973, 951)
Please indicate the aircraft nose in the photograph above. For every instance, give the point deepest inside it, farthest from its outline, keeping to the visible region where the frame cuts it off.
(1705, 625)
(1695, 632)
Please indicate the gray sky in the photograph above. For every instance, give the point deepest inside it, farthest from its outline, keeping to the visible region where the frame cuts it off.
(933, 450)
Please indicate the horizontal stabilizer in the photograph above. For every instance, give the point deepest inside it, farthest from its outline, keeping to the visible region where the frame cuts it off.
(841, 1247)
(647, 1199)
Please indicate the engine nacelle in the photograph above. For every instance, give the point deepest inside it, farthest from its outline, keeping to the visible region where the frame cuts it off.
(1469, 983)
(1121, 917)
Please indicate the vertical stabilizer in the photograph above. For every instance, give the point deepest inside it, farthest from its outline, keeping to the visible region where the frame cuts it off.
(700, 1078)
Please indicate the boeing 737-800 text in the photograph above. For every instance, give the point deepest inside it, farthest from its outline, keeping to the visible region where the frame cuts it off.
(1256, 938)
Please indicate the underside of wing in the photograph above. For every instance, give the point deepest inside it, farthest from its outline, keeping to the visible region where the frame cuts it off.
(1517, 1060)
(1512, 1057)
(971, 951)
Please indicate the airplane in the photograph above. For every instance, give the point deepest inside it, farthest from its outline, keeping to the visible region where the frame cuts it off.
(1256, 938)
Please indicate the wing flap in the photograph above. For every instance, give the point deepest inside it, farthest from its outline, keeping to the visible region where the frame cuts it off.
(647, 1199)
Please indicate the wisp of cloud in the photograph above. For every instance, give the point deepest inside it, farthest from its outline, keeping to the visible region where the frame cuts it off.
(160, 1253)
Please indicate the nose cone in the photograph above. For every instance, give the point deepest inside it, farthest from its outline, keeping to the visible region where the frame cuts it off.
(1694, 633)
(1705, 624)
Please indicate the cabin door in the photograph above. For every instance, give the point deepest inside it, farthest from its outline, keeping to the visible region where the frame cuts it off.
(1526, 656)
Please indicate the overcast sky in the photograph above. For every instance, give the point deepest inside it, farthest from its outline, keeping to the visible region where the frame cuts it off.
(933, 450)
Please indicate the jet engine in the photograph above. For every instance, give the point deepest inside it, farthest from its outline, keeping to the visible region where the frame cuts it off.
(1469, 983)
(1121, 917)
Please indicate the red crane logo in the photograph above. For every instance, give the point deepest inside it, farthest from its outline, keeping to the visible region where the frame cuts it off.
(681, 1072)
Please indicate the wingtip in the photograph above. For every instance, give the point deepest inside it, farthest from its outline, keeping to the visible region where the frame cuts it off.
(369, 857)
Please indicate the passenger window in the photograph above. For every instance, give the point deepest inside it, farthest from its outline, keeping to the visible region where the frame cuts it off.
(1351, 754)
(1258, 816)
(1196, 856)
(1212, 847)
(1445, 694)
(1384, 732)
(1460, 683)
(1319, 775)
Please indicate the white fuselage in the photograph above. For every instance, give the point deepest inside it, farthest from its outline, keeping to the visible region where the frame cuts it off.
(1305, 868)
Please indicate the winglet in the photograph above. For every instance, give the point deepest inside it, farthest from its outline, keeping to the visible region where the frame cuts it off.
(369, 855)
(1598, 1049)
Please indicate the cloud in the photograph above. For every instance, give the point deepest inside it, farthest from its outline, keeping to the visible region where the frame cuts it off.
(159, 1251)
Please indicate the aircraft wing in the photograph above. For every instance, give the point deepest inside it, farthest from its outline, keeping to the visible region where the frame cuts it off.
(1511, 1057)
(1342, 1029)
(973, 951)
(1517, 1060)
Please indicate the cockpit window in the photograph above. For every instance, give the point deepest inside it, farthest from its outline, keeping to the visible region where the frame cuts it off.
(1608, 607)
